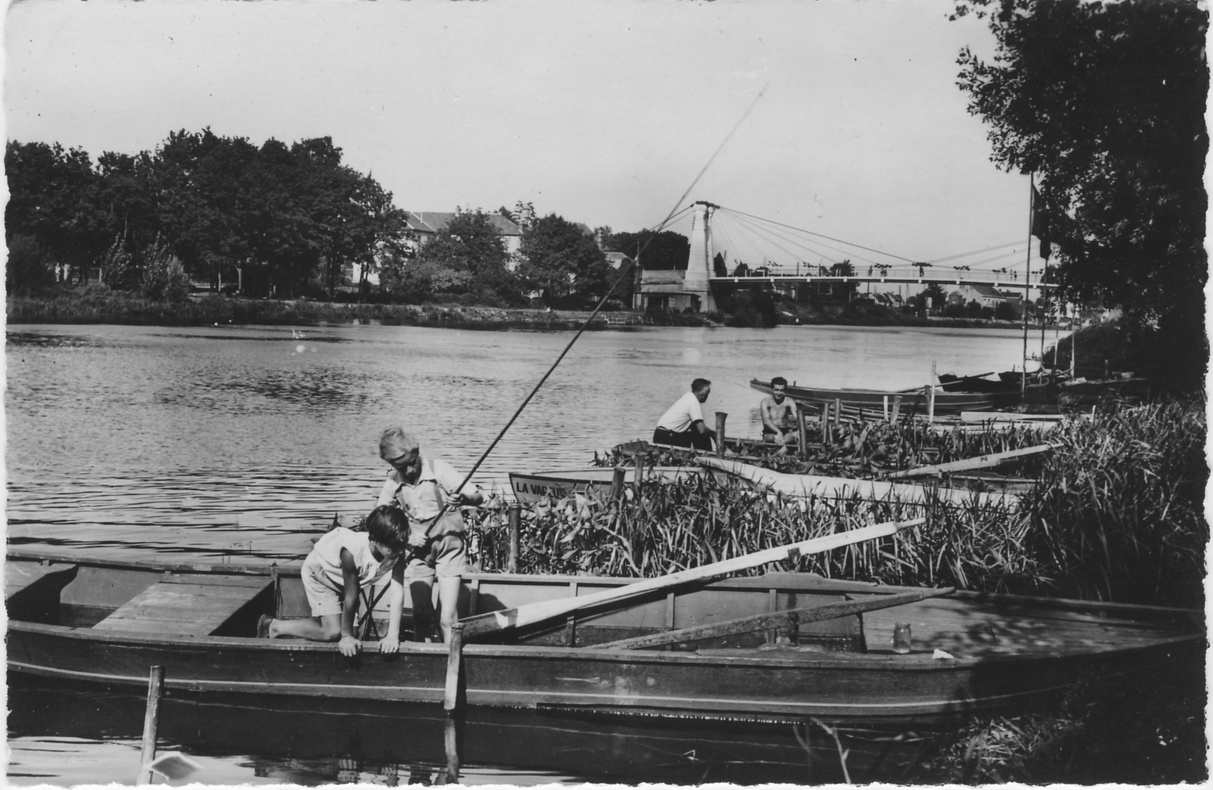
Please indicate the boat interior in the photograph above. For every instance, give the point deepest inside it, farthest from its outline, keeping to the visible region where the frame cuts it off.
(794, 613)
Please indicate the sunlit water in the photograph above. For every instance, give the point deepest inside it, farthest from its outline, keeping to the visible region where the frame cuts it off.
(242, 442)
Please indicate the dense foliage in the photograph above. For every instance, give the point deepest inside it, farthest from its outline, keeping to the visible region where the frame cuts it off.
(1105, 104)
(274, 219)
(563, 264)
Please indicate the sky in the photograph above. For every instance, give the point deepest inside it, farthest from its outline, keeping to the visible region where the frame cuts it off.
(836, 117)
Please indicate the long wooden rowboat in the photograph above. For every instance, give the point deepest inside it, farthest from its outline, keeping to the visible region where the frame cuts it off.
(593, 482)
(805, 486)
(102, 621)
(876, 403)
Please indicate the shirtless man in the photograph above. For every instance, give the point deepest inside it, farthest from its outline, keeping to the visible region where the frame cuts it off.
(778, 415)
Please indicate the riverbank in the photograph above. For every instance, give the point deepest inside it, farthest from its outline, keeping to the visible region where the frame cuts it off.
(97, 304)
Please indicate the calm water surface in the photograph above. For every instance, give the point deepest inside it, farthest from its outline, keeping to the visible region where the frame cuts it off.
(242, 441)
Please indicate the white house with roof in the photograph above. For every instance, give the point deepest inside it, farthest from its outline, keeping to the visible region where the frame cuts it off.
(426, 225)
(984, 295)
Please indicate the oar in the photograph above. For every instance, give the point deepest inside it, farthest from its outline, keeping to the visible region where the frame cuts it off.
(761, 622)
(531, 614)
(977, 462)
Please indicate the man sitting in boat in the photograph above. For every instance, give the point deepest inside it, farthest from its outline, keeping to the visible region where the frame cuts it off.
(682, 424)
(778, 415)
(339, 567)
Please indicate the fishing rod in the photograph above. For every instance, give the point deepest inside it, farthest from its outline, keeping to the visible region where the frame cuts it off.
(623, 273)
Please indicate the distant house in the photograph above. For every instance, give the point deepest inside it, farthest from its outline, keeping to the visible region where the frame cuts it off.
(618, 259)
(663, 289)
(426, 224)
(984, 295)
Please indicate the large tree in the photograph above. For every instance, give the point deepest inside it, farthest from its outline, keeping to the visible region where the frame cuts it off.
(666, 249)
(467, 256)
(1104, 103)
(564, 263)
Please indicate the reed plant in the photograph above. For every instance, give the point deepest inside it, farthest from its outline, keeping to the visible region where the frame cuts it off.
(1116, 514)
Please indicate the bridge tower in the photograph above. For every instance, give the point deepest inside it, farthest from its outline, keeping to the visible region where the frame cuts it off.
(699, 264)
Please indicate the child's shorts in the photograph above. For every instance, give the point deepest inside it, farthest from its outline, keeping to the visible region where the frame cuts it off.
(446, 557)
(323, 599)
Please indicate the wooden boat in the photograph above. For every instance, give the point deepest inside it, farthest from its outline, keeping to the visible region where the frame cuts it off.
(593, 482)
(952, 383)
(83, 619)
(804, 486)
(877, 403)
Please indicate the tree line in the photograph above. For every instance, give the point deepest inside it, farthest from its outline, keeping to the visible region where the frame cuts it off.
(284, 220)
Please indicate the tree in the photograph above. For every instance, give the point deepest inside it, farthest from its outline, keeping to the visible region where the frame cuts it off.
(652, 251)
(1105, 103)
(53, 199)
(564, 263)
(472, 253)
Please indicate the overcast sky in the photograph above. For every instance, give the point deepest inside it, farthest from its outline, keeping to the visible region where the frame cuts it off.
(602, 112)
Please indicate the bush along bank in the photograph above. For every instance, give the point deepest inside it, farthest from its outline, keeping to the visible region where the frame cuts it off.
(96, 304)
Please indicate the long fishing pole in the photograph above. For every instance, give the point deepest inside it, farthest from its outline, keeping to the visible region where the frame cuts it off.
(626, 270)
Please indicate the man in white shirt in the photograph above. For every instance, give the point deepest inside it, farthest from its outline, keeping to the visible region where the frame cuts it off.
(682, 425)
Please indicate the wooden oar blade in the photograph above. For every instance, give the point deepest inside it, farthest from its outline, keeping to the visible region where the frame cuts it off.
(532, 614)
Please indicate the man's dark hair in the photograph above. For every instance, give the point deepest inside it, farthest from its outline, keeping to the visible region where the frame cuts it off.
(699, 385)
(388, 525)
(779, 380)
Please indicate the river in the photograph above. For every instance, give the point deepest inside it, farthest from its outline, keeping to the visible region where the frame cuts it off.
(244, 441)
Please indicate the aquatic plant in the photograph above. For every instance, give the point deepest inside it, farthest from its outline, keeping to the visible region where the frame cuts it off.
(1116, 514)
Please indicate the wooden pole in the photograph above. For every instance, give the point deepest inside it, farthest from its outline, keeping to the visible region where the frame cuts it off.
(1027, 273)
(151, 720)
(720, 418)
(450, 740)
(454, 660)
(837, 412)
(617, 483)
(803, 433)
(515, 521)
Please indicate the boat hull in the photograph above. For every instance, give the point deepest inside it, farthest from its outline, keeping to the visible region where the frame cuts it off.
(1002, 654)
(594, 482)
(875, 403)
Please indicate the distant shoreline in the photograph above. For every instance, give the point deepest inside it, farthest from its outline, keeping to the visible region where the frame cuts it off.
(101, 306)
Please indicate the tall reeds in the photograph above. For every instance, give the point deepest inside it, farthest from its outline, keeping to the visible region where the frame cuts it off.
(1116, 514)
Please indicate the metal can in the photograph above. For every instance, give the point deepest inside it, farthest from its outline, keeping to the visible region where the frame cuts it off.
(902, 638)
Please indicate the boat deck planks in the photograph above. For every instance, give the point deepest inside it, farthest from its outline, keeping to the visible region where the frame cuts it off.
(195, 607)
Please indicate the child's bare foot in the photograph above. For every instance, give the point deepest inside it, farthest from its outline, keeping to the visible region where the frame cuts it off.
(265, 627)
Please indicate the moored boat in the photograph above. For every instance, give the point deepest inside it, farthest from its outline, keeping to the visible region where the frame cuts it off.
(805, 486)
(593, 482)
(107, 622)
(891, 403)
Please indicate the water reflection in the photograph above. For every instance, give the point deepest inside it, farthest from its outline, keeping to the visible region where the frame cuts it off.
(314, 742)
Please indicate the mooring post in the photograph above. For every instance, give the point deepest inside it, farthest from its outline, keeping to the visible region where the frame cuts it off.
(151, 718)
(450, 741)
(720, 418)
(617, 484)
(837, 412)
(515, 524)
(803, 432)
(454, 660)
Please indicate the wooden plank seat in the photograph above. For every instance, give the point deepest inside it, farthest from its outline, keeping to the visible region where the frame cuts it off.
(190, 606)
(32, 590)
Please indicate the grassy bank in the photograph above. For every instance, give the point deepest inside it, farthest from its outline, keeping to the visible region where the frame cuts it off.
(100, 305)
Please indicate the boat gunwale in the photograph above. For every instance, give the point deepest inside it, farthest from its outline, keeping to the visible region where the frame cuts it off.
(811, 660)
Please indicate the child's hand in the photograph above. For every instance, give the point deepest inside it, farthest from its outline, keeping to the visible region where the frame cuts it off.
(349, 646)
(389, 645)
(417, 539)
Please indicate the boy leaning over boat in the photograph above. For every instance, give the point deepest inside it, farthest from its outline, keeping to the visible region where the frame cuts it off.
(429, 491)
(339, 567)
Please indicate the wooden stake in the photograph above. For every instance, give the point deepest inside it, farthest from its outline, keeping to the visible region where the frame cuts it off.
(720, 418)
(515, 521)
(454, 661)
(151, 720)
